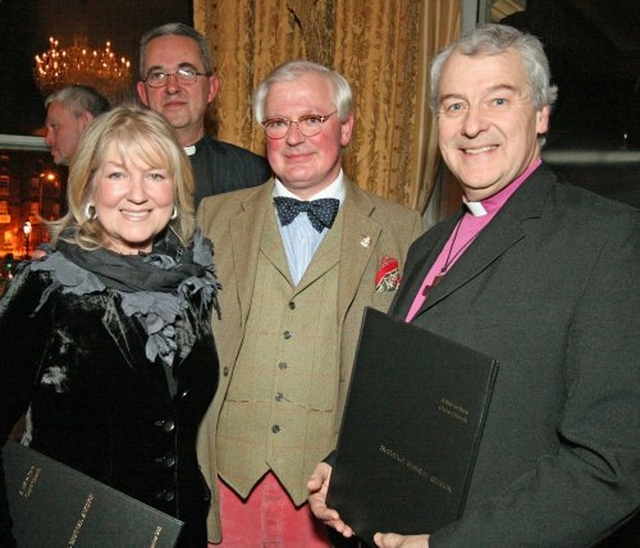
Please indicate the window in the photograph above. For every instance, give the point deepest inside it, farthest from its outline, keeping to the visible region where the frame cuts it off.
(594, 52)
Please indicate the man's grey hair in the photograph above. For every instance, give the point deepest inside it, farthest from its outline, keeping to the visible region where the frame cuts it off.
(494, 39)
(79, 99)
(177, 29)
(291, 71)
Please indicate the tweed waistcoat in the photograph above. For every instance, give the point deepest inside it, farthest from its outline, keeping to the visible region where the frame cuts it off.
(280, 408)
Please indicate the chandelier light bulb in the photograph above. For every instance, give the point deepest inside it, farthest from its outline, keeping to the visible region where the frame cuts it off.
(102, 69)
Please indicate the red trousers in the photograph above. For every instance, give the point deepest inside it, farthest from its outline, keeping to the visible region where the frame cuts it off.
(268, 518)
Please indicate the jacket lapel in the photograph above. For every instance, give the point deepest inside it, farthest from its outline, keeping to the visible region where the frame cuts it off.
(505, 230)
(492, 242)
(422, 255)
(271, 244)
(246, 232)
(326, 256)
(360, 235)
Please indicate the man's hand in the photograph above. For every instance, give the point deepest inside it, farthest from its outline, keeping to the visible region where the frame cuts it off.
(318, 485)
(393, 540)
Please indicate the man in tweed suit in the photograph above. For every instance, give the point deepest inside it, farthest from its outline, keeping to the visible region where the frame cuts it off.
(177, 79)
(295, 287)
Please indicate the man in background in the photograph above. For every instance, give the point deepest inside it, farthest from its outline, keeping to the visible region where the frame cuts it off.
(69, 111)
(178, 80)
(300, 257)
(544, 278)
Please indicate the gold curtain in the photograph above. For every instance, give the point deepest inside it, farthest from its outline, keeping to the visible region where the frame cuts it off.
(382, 47)
(440, 25)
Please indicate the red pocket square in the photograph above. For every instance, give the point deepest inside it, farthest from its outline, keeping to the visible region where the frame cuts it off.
(388, 276)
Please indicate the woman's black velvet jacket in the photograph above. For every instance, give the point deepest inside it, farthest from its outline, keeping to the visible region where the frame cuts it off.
(97, 404)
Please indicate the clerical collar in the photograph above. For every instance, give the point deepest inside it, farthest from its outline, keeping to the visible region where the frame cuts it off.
(192, 149)
(475, 208)
(334, 190)
(493, 203)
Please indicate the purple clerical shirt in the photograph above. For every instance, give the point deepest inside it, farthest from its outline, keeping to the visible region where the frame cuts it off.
(477, 216)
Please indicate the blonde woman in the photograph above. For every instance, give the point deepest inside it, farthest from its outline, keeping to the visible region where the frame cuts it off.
(109, 335)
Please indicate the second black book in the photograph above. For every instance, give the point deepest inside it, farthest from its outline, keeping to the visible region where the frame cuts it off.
(412, 426)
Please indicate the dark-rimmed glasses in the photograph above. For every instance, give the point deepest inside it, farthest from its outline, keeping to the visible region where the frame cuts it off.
(309, 125)
(185, 76)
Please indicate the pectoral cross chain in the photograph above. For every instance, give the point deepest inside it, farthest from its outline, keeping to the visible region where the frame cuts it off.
(450, 259)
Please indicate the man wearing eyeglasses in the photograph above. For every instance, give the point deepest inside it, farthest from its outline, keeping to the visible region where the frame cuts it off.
(300, 257)
(177, 79)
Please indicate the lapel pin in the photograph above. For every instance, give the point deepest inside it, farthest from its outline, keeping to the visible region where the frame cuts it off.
(366, 241)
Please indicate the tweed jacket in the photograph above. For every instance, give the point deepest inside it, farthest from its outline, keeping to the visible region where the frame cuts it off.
(97, 404)
(372, 228)
(222, 167)
(550, 288)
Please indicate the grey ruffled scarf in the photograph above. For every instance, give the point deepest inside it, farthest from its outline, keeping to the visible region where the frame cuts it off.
(156, 288)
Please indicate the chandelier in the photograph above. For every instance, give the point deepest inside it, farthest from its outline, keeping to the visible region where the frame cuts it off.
(58, 67)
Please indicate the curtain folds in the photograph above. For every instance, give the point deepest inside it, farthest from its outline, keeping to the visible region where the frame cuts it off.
(383, 49)
(440, 25)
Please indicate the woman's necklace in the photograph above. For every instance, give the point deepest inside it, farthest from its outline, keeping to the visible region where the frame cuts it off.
(451, 257)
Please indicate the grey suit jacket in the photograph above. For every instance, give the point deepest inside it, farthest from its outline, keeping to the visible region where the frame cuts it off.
(372, 228)
(550, 288)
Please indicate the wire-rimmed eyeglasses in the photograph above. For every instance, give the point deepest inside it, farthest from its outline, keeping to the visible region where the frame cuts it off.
(309, 125)
(185, 76)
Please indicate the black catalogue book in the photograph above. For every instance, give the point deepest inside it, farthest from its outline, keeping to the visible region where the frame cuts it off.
(411, 429)
(54, 505)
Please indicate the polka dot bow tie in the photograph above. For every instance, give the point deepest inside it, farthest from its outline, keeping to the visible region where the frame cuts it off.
(321, 212)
